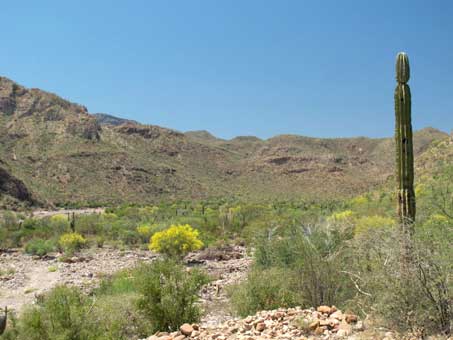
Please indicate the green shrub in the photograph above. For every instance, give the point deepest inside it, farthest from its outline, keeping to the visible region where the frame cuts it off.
(365, 223)
(146, 231)
(303, 266)
(12, 329)
(176, 241)
(346, 216)
(63, 314)
(410, 299)
(263, 290)
(52, 269)
(10, 233)
(39, 247)
(121, 282)
(8, 271)
(169, 294)
(59, 223)
(90, 224)
(67, 314)
(116, 317)
(71, 242)
(129, 237)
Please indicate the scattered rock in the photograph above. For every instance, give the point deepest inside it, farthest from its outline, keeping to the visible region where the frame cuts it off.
(350, 318)
(260, 326)
(314, 324)
(324, 309)
(186, 329)
(359, 326)
(345, 328)
(337, 315)
(319, 330)
(280, 324)
(32, 274)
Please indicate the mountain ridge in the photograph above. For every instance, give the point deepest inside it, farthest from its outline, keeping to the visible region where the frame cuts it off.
(65, 155)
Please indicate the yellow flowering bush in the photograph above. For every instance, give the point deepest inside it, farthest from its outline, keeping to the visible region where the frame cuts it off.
(59, 222)
(108, 216)
(359, 200)
(366, 223)
(420, 190)
(145, 231)
(148, 211)
(341, 217)
(176, 241)
(436, 220)
(59, 218)
(71, 242)
(439, 218)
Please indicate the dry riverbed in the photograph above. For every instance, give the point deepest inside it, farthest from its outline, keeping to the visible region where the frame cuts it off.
(23, 277)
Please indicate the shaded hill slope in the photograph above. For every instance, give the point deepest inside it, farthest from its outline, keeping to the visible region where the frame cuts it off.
(13, 192)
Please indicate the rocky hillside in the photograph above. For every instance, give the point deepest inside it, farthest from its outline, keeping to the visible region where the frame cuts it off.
(106, 119)
(63, 154)
(13, 191)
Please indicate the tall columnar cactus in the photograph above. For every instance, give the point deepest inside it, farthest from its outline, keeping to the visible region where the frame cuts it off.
(404, 146)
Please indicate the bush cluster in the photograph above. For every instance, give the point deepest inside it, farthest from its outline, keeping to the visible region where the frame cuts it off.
(40, 247)
(169, 294)
(132, 226)
(414, 297)
(299, 267)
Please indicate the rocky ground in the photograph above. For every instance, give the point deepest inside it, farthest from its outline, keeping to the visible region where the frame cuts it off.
(226, 266)
(48, 213)
(23, 277)
(323, 323)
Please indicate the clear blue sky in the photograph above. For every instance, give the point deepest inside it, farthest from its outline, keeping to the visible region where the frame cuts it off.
(237, 67)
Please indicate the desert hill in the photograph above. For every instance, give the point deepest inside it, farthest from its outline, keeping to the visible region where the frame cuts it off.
(63, 154)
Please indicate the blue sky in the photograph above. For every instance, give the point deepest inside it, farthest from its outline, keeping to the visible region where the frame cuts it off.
(237, 67)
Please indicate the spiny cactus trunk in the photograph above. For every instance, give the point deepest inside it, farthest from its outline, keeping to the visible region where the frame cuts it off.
(405, 156)
(404, 145)
(404, 152)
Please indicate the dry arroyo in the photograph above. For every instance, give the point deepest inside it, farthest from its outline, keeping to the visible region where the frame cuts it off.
(20, 282)
(24, 277)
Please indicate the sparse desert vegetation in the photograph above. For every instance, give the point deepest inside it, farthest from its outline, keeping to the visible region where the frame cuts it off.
(344, 253)
(111, 229)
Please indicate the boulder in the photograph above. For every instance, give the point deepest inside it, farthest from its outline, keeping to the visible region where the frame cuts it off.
(186, 329)
(350, 318)
(324, 309)
(313, 325)
(260, 326)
